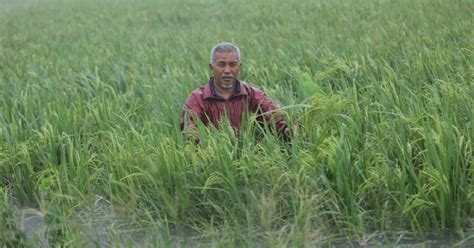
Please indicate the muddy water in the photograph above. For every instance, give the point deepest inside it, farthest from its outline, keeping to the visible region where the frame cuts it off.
(104, 227)
(31, 222)
(99, 226)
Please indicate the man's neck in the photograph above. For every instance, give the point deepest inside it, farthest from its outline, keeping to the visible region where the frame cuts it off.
(224, 93)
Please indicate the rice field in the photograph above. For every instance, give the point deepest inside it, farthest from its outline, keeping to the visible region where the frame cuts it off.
(91, 153)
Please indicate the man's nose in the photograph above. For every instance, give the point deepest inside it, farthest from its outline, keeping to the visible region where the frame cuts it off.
(227, 69)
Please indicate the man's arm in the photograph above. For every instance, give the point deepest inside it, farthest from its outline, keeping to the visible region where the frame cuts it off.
(267, 111)
(191, 113)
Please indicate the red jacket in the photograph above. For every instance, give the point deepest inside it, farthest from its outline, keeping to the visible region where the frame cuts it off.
(204, 104)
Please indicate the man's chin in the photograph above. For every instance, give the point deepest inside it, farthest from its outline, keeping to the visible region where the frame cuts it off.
(226, 83)
(226, 86)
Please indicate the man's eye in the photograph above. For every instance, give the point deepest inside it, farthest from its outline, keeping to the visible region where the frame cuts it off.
(221, 65)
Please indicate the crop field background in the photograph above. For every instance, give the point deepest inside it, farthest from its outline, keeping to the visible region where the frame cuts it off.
(91, 152)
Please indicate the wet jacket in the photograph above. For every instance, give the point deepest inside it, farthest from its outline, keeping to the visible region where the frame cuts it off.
(206, 105)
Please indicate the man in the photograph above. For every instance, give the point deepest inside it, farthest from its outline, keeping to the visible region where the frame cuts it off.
(225, 95)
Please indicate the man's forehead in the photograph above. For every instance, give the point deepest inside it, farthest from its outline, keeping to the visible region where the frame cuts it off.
(231, 56)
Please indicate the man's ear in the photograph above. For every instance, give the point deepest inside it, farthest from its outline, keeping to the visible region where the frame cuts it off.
(210, 67)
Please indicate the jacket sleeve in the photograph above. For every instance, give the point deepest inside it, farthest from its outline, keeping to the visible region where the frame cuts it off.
(267, 111)
(192, 111)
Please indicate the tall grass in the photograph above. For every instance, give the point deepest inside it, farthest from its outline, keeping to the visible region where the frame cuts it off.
(92, 91)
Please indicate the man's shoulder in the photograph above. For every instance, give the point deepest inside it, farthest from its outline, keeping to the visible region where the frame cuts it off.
(199, 90)
(198, 93)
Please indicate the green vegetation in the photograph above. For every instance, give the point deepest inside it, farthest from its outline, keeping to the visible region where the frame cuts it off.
(91, 93)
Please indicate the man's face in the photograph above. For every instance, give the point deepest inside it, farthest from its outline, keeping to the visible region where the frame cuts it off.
(225, 69)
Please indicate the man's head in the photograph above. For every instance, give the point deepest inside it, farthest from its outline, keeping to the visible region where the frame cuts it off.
(224, 47)
(225, 66)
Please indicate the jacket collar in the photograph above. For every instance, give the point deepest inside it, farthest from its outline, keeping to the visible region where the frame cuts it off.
(210, 91)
